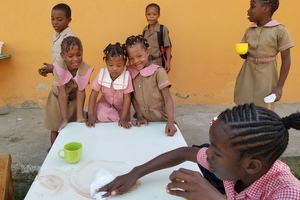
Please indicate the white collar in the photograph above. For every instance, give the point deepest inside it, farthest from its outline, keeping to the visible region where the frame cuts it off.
(120, 83)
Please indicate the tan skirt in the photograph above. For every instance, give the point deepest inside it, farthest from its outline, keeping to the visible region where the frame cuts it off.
(52, 118)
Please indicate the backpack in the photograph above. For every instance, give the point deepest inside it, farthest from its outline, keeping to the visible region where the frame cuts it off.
(160, 39)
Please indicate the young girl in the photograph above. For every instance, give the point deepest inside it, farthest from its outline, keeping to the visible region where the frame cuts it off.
(246, 143)
(65, 102)
(115, 85)
(258, 77)
(152, 99)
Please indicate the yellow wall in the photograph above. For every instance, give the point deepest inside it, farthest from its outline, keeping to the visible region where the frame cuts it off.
(203, 33)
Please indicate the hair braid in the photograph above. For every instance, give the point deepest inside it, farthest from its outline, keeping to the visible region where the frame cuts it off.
(113, 50)
(69, 42)
(273, 3)
(139, 39)
(258, 132)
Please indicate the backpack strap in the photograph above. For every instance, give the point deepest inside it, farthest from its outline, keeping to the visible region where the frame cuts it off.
(160, 40)
(160, 36)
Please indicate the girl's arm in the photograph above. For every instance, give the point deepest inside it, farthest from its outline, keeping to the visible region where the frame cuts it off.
(126, 107)
(62, 102)
(80, 96)
(170, 127)
(92, 119)
(124, 183)
(284, 71)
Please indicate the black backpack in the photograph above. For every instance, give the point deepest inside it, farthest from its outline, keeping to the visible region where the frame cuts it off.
(161, 45)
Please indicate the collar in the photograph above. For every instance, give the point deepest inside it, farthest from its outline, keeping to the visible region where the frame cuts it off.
(254, 190)
(63, 33)
(147, 71)
(82, 75)
(120, 83)
(269, 24)
(156, 28)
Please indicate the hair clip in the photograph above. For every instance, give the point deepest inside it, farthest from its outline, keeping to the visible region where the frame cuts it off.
(214, 120)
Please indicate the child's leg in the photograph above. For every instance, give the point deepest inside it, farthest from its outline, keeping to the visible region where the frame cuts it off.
(53, 136)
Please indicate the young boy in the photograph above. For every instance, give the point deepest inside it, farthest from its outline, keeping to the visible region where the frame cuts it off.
(60, 19)
(151, 33)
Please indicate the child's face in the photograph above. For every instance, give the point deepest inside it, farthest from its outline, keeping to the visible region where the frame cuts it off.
(222, 158)
(255, 11)
(137, 56)
(59, 20)
(73, 58)
(115, 66)
(152, 15)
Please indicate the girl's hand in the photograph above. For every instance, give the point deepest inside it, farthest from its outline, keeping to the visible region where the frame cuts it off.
(140, 120)
(91, 121)
(191, 185)
(48, 68)
(124, 123)
(62, 125)
(170, 129)
(278, 92)
(119, 185)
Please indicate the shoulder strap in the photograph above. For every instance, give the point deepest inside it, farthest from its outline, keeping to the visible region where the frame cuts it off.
(144, 31)
(160, 36)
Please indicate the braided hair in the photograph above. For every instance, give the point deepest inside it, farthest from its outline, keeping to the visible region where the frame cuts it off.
(63, 7)
(258, 132)
(113, 50)
(139, 39)
(69, 42)
(273, 3)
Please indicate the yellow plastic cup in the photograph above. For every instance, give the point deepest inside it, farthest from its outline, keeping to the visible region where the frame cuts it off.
(72, 152)
(241, 48)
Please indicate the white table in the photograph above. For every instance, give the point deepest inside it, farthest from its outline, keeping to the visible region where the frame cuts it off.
(116, 150)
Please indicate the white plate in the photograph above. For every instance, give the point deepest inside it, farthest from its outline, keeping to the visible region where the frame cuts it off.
(83, 175)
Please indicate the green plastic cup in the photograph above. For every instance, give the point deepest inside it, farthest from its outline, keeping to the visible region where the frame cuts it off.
(72, 152)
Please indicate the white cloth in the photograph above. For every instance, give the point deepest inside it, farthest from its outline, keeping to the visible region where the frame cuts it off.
(102, 178)
(120, 83)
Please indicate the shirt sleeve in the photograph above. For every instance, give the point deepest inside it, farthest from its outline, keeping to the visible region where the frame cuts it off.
(284, 39)
(95, 85)
(129, 88)
(166, 36)
(201, 157)
(162, 78)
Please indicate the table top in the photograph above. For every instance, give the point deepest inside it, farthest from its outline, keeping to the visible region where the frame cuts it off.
(116, 150)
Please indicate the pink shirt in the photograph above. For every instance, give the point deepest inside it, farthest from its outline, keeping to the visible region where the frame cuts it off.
(277, 183)
(110, 93)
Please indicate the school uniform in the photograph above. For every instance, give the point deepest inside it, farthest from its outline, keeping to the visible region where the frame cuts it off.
(154, 53)
(56, 43)
(259, 73)
(109, 107)
(277, 183)
(62, 76)
(148, 84)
